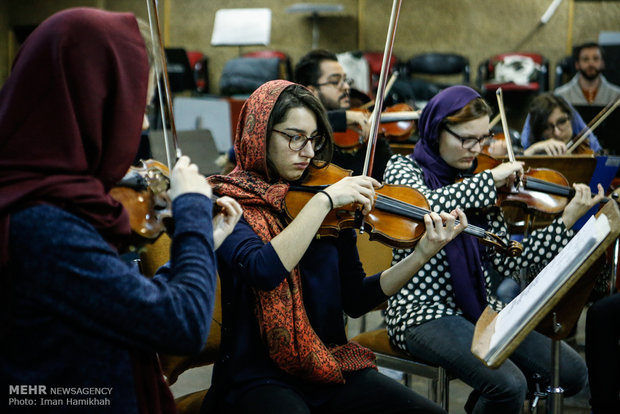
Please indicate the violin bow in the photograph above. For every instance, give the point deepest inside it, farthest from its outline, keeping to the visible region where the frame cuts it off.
(494, 121)
(502, 113)
(387, 90)
(163, 85)
(593, 124)
(381, 87)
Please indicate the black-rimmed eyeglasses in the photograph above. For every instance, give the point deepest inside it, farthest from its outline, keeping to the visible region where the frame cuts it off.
(297, 142)
(469, 142)
(337, 83)
(560, 124)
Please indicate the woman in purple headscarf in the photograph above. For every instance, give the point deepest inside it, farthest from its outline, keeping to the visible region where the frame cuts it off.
(433, 315)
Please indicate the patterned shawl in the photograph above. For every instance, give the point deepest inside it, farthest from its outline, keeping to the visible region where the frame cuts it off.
(290, 339)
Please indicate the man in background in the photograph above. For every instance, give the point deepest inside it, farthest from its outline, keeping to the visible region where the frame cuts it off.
(589, 86)
(324, 76)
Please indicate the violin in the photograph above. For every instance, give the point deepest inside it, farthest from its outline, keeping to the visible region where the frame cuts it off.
(583, 149)
(396, 219)
(398, 122)
(143, 191)
(541, 191)
(496, 139)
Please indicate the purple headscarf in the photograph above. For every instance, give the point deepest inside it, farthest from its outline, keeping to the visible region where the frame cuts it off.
(463, 253)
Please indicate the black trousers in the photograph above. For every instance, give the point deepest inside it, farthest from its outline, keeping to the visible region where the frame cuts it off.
(366, 391)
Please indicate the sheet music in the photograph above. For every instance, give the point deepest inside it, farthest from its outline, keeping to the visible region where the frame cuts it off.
(241, 27)
(548, 282)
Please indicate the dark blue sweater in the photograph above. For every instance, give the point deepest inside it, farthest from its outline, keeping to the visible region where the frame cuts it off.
(333, 283)
(73, 310)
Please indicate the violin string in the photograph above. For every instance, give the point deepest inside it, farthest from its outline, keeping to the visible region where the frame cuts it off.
(415, 212)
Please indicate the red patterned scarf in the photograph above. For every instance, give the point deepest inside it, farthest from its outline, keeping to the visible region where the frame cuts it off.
(292, 343)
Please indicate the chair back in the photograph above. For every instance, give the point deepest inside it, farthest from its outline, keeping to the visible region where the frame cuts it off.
(440, 64)
(180, 72)
(375, 61)
(431, 72)
(522, 71)
(200, 68)
(243, 75)
(286, 68)
(564, 71)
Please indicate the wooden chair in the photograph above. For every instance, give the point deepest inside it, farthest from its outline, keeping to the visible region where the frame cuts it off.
(156, 255)
(376, 257)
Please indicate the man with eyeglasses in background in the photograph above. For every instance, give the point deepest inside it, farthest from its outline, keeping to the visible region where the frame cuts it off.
(320, 71)
(550, 126)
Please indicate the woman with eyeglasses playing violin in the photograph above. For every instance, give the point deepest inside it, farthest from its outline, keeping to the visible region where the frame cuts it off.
(433, 316)
(550, 125)
(284, 346)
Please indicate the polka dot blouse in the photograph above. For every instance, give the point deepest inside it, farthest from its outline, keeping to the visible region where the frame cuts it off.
(429, 294)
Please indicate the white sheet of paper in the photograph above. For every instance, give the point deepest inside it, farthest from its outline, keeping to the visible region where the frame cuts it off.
(239, 27)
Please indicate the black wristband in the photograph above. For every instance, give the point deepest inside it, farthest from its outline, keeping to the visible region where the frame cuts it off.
(331, 202)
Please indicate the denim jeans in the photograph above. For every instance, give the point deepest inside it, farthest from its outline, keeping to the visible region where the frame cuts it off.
(447, 342)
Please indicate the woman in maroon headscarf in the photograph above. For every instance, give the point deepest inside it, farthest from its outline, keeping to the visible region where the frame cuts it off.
(284, 291)
(75, 317)
(433, 315)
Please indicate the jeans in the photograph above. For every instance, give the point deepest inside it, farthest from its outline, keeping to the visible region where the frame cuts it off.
(447, 342)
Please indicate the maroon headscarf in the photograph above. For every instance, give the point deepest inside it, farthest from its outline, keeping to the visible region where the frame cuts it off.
(291, 342)
(70, 118)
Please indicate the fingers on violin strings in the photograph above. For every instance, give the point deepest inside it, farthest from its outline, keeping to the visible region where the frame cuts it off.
(428, 221)
(580, 191)
(462, 218)
(448, 220)
(436, 221)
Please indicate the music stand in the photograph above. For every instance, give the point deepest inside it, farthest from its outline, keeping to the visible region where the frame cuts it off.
(242, 27)
(497, 335)
(315, 10)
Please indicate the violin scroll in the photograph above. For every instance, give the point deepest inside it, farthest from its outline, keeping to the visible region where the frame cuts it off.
(143, 191)
(511, 249)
